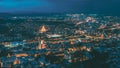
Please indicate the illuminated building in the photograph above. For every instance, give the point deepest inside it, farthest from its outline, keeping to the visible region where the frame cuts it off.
(43, 29)
(21, 55)
(14, 44)
(88, 19)
(54, 36)
(41, 44)
(102, 36)
(17, 61)
(102, 26)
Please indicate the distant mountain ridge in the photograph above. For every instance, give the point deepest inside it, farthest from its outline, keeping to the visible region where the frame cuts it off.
(48, 14)
(29, 14)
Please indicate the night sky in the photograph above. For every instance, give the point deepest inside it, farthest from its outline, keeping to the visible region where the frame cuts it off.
(60, 6)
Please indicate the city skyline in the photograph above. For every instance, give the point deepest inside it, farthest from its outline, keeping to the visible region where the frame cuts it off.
(59, 34)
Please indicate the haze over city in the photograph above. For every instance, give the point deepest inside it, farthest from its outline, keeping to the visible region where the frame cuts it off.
(60, 6)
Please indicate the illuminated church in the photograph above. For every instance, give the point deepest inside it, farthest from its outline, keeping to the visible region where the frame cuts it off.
(41, 44)
(17, 61)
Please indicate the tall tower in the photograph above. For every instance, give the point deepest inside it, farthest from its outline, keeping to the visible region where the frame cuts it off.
(41, 44)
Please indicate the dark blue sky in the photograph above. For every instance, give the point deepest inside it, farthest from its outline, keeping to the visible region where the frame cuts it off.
(60, 6)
